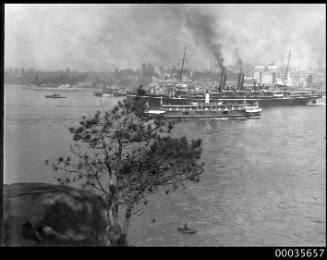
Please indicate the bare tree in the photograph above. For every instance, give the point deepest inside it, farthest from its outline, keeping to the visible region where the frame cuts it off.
(126, 155)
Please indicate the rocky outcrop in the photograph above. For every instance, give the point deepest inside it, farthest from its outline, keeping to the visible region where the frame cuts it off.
(39, 214)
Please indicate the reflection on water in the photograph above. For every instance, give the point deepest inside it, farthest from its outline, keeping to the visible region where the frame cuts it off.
(264, 180)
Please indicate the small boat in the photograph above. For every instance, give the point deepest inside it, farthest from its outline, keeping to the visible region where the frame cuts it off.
(186, 230)
(102, 94)
(252, 109)
(55, 96)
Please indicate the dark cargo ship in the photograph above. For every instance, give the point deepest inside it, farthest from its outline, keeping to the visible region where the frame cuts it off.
(264, 99)
(277, 95)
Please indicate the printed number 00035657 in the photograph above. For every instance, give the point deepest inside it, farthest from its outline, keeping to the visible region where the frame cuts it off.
(299, 253)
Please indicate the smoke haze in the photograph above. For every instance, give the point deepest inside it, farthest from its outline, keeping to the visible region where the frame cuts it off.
(103, 37)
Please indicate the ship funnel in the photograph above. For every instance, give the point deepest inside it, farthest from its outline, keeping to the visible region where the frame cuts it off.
(222, 79)
(240, 81)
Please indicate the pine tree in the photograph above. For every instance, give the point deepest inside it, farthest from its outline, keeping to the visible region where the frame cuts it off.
(125, 155)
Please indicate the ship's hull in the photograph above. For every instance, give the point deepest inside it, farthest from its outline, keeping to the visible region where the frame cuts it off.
(209, 114)
(287, 101)
(54, 97)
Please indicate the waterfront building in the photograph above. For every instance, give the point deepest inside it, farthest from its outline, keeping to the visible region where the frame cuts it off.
(247, 68)
(267, 75)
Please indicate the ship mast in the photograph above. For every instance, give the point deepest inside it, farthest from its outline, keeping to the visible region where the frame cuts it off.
(183, 60)
(288, 64)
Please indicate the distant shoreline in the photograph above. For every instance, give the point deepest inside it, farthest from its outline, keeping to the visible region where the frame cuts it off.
(50, 88)
(26, 86)
(34, 87)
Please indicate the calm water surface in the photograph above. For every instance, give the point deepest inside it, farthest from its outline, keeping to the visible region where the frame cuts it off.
(264, 181)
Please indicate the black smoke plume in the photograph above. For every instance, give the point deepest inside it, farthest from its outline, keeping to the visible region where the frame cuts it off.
(204, 28)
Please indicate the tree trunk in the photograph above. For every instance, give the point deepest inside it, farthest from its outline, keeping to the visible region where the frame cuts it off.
(123, 236)
(114, 233)
(114, 229)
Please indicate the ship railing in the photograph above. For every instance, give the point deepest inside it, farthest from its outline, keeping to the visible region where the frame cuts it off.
(202, 105)
(206, 107)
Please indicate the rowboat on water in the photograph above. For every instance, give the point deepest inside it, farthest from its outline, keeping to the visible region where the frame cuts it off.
(186, 230)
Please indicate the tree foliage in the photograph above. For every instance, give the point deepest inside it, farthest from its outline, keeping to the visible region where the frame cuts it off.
(125, 155)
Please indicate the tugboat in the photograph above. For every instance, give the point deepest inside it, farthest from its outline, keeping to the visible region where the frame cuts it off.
(55, 96)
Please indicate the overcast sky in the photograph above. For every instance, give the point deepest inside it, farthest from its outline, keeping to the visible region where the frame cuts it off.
(96, 37)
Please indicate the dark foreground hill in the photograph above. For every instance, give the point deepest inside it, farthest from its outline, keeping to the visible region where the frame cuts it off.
(39, 214)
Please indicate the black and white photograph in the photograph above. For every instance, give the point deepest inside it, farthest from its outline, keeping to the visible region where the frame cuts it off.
(165, 125)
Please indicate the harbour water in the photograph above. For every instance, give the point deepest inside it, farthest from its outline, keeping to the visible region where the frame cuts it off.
(264, 182)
